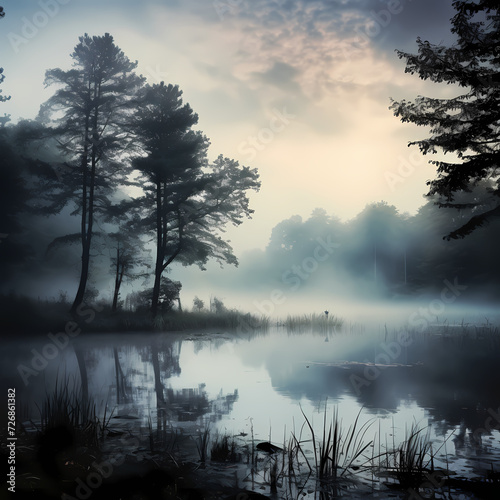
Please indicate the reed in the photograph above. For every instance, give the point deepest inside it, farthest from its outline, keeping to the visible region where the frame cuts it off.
(64, 407)
(338, 452)
(228, 319)
(223, 449)
(413, 458)
(202, 443)
(317, 322)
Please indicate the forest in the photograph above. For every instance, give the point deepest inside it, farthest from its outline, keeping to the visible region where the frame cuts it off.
(377, 379)
(122, 161)
(381, 253)
(112, 185)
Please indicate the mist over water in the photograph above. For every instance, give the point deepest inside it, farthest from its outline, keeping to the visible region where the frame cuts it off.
(202, 328)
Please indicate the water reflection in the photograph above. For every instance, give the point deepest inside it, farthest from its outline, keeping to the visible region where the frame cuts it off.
(263, 384)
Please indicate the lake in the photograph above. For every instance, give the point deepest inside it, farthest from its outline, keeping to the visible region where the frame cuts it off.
(269, 386)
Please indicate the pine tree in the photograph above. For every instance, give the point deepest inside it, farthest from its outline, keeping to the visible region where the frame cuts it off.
(187, 202)
(467, 125)
(96, 101)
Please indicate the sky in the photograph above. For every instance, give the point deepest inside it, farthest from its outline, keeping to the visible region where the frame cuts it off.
(299, 89)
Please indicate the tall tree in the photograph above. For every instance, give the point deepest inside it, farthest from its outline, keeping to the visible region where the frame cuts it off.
(467, 125)
(186, 202)
(96, 100)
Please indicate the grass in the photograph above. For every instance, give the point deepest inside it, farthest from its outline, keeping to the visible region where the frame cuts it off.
(63, 408)
(202, 443)
(229, 319)
(21, 314)
(224, 449)
(337, 452)
(317, 322)
(413, 459)
(332, 454)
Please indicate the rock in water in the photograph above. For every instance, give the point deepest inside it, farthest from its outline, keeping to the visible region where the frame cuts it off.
(268, 447)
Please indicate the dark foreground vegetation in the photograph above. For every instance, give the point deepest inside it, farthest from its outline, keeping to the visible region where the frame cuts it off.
(30, 316)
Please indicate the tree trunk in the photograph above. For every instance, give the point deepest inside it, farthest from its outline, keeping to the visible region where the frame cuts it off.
(87, 208)
(118, 280)
(83, 278)
(156, 294)
(159, 252)
(84, 272)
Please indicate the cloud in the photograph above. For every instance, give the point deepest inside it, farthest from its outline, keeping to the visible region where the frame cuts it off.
(281, 75)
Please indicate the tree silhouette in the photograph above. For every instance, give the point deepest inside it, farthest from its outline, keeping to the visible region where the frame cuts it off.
(467, 125)
(96, 102)
(186, 201)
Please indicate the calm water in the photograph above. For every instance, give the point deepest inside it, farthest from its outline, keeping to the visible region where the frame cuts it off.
(265, 384)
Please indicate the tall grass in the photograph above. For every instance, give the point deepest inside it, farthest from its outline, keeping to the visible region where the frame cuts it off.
(202, 443)
(413, 458)
(64, 408)
(223, 449)
(21, 314)
(317, 322)
(338, 451)
(229, 319)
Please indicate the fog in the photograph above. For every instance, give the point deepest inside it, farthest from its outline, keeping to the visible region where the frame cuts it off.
(381, 267)
(211, 227)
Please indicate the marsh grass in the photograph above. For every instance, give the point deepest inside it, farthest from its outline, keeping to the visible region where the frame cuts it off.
(337, 452)
(202, 442)
(457, 333)
(329, 459)
(228, 319)
(164, 438)
(22, 314)
(413, 458)
(317, 322)
(64, 407)
(223, 449)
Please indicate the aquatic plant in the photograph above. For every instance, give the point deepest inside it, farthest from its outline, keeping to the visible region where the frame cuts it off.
(413, 458)
(338, 451)
(202, 443)
(317, 322)
(195, 320)
(223, 449)
(64, 408)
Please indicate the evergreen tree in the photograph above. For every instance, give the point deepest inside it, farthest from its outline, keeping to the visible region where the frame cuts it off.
(467, 125)
(186, 202)
(96, 100)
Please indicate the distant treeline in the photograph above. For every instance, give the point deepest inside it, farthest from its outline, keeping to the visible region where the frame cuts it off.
(380, 252)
